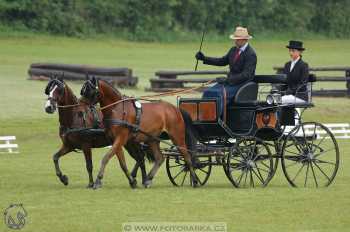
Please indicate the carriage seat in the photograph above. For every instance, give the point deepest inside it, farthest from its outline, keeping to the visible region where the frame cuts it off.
(247, 94)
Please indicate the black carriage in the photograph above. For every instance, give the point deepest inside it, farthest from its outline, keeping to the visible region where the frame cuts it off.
(252, 134)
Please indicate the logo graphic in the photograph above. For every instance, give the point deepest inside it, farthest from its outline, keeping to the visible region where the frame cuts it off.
(15, 216)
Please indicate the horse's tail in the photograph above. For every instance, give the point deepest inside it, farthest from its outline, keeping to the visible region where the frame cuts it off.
(191, 136)
(148, 153)
(139, 151)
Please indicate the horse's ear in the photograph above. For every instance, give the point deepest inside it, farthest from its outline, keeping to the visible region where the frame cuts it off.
(94, 80)
(61, 77)
(87, 76)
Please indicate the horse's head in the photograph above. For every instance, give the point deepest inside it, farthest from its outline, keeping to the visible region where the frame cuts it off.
(90, 90)
(55, 92)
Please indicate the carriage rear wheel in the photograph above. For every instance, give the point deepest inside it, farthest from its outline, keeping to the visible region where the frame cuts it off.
(179, 174)
(310, 156)
(250, 164)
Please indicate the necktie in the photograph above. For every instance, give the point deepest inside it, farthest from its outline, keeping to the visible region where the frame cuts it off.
(236, 56)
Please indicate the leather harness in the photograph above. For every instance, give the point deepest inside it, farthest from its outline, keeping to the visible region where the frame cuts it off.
(134, 127)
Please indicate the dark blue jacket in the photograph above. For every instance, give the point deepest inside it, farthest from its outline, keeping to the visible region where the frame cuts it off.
(242, 70)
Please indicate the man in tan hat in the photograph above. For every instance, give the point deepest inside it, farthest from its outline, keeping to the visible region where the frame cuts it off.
(242, 61)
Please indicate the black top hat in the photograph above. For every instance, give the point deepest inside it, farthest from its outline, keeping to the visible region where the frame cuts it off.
(296, 45)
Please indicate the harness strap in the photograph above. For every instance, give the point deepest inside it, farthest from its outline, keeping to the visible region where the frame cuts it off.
(96, 120)
(138, 109)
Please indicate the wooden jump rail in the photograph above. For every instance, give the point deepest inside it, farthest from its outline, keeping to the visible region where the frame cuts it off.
(329, 92)
(168, 80)
(116, 76)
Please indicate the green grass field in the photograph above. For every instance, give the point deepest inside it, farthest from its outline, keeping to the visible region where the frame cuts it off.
(29, 177)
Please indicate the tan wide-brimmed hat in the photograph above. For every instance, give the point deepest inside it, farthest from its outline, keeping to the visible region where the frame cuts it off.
(241, 33)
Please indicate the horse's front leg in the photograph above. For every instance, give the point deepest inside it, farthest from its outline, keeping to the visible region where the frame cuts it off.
(116, 149)
(122, 163)
(63, 151)
(89, 167)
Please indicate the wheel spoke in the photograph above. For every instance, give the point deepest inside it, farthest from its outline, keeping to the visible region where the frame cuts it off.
(297, 144)
(245, 179)
(312, 143)
(183, 180)
(259, 177)
(295, 158)
(267, 171)
(298, 171)
(251, 178)
(262, 162)
(291, 165)
(313, 173)
(240, 178)
(323, 152)
(174, 166)
(319, 168)
(203, 171)
(292, 152)
(306, 175)
(182, 170)
(323, 162)
(318, 145)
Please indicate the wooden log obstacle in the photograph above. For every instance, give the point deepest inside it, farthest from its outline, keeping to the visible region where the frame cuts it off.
(117, 76)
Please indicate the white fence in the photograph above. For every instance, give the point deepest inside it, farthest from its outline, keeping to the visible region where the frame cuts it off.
(339, 130)
(6, 146)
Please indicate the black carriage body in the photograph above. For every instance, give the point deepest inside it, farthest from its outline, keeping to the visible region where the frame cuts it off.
(245, 116)
(251, 119)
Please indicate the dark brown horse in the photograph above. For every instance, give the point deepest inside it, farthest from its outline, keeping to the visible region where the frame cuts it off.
(120, 118)
(81, 128)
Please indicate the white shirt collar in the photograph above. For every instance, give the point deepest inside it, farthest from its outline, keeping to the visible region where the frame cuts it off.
(243, 48)
(295, 61)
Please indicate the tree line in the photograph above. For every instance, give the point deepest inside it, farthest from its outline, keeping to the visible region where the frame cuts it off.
(153, 19)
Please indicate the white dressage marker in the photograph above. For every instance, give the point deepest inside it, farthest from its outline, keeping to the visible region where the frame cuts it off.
(7, 145)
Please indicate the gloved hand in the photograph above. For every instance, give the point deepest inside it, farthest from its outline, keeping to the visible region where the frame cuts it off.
(221, 80)
(200, 56)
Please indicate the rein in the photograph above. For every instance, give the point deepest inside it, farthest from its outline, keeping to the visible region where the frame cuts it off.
(150, 97)
(73, 105)
(145, 98)
(68, 106)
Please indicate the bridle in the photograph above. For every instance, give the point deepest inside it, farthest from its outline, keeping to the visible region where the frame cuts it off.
(58, 84)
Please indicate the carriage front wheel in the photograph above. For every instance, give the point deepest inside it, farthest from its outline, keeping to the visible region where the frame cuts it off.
(179, 174)
(250, 163)
(310, 156)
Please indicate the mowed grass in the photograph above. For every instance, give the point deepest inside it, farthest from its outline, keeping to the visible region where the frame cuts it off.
(29, 177)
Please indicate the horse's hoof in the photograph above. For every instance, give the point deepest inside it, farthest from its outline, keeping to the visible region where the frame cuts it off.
(90, 185)
(147, 183)
(195, 184)
(97, 184)
(133, 184)
(64, 180)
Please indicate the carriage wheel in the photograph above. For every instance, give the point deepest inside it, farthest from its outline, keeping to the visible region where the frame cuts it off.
(250, 164)
(310, 156)
(179, 174)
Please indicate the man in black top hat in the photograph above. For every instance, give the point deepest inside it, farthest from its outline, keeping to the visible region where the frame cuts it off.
(297, 72)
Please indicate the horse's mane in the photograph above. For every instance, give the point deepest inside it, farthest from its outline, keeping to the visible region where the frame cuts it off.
(70, 92)
(113, 88)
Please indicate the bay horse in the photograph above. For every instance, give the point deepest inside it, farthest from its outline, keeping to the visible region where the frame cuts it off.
(120, 117)
(81, 128)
